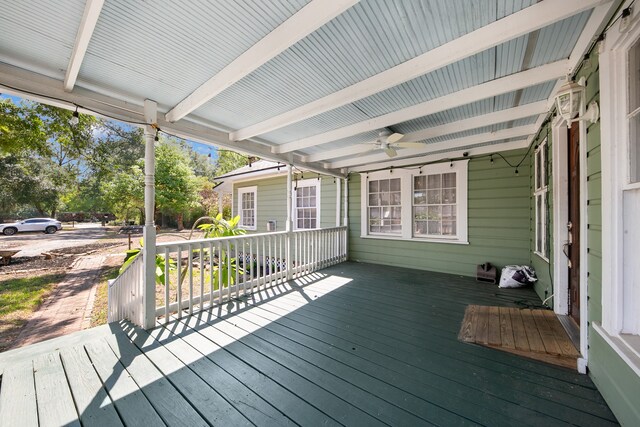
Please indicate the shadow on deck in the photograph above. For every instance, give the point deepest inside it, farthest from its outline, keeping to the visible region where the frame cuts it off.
(354, 344)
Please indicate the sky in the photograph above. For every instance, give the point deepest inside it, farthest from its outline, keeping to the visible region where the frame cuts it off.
(197, 146)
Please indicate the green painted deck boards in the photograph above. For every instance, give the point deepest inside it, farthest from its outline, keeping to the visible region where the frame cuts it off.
(354, 344)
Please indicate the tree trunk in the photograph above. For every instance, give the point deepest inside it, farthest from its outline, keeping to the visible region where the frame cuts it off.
(180, 223)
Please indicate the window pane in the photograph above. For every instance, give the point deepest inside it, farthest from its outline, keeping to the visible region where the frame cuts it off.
(449, 195)
(539, 223)
(433, 197)
(373, 186)
(395, 198)
(449, 212)
(449, 180)
(420, 213)
(419, 197)
(433, 227)
(395, 184)
(384, 185)
(538, 165)
(634, 77)
(434, 212)
(449, 228)
(634, 149)
(434, 181)
(419, 182)
(374, 200)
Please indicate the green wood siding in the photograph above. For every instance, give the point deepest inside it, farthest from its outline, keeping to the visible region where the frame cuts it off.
(498, 212)
(272, 201)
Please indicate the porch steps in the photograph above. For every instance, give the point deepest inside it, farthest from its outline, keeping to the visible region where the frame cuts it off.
(536, 334)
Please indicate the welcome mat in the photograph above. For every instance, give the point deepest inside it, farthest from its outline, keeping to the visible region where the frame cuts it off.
(536, 334)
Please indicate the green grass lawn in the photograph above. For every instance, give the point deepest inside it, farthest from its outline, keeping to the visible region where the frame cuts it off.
(19, 297)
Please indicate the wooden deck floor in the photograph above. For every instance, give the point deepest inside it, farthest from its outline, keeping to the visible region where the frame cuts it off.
(354, 344)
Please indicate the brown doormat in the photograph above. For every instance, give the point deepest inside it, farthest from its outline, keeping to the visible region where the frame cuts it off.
(536, 334)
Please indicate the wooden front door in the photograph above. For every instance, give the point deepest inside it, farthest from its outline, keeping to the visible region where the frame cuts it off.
(573, 225)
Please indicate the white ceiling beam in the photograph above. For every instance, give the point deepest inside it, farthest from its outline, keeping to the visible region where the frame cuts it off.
(27, 84)
(501, 116)
(492, 88)
(304, 22)
(515, 25)
(88, 23)
(495, 148)
(521, 131)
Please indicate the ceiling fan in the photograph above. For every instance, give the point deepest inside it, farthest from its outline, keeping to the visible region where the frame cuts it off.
(389, 141)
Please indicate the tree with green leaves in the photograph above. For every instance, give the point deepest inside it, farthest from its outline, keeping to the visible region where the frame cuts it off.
(176, 185)
(228, 161)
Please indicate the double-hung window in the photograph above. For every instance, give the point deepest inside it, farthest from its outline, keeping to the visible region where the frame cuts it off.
(541, 200)
(385, 206)
(247, 207)
(306, 204)
(425, 204)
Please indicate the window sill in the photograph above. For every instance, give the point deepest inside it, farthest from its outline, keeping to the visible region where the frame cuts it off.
(415, 239)
(545, 259)
(243, 227)
(626, 345)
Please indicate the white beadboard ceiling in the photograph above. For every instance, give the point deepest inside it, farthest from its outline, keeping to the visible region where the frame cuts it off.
(164, 50)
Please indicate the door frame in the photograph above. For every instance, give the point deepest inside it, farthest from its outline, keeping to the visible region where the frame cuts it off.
(560, 233)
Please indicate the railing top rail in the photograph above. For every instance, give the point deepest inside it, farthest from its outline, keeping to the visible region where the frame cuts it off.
(135, 263)
(240, 237)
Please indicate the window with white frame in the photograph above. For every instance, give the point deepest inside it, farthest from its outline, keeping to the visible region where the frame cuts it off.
(620, 146)
(385, 206)
(306, 204)
(426, 204)
(541, 200)
(247, 207)
(633, 112)
(434, 205)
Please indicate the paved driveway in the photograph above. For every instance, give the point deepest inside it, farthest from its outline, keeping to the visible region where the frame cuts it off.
(33, 244)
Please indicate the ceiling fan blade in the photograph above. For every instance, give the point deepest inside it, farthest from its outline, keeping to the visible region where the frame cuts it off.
(391, 152)
(394, 137)
(409, 144)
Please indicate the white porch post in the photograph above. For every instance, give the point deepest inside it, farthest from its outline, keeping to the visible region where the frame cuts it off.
(220, 201)
(346, 216)
(289, 224)
(149, 248)
(338, 202)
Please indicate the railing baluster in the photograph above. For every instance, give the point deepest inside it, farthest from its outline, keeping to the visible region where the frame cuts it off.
(251, 266)
(220, 284)
(190, 270)
(201, 264)
(211, 275)
(270, 262)
(166, 285)
(179, 270)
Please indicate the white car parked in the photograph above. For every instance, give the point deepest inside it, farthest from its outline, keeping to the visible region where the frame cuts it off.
(47, 225)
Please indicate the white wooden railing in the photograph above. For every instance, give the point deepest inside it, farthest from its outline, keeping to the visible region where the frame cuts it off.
(249, 262)
(125, 294)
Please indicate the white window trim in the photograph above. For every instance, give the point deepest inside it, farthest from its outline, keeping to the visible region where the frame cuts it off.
(245, 190)
(311, 182)
(543, 191)
(406, 186)
(619, 292)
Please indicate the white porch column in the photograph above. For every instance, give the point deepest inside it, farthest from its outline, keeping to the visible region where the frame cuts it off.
(346, 203)
(338, 202)
(220, 201)
(346, 216)
(288, 225)
(149, 248)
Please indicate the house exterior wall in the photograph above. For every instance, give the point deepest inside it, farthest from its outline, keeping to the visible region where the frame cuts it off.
(618, 383)
(272, 202)
(498, 221)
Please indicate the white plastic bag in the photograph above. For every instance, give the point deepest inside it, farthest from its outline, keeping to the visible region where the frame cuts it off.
(517, 276)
